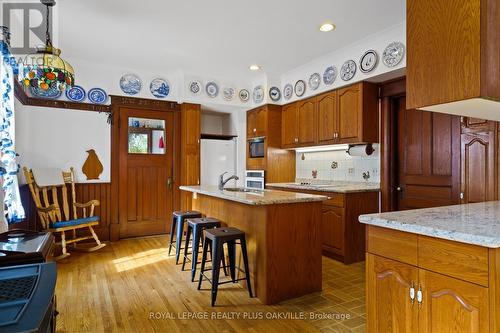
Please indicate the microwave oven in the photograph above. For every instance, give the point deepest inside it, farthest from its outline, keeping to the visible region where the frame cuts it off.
(256, 147)
(255, 179)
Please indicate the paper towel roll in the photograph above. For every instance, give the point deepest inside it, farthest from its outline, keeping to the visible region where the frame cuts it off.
(361, 150)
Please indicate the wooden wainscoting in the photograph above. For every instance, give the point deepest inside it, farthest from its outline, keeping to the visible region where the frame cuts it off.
(84, 193)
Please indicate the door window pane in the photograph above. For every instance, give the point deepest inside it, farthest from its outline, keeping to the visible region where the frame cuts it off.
(146, 136)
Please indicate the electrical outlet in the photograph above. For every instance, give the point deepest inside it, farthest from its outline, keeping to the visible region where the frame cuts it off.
(350, 170)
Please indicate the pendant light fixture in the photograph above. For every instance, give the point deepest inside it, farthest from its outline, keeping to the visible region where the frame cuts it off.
(45, 70)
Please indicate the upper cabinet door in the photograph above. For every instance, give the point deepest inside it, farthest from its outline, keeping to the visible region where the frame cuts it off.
(350, 109)
(257, 122)
(289, 123)
(451, 305)
(327, 118)
(307, 121)
(389, 306)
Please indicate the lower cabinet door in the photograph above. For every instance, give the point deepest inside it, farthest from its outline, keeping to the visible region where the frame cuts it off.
(389, 303)
(451, 305)
(332, 229)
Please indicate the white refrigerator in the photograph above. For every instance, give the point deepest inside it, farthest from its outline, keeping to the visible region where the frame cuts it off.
(217, 156)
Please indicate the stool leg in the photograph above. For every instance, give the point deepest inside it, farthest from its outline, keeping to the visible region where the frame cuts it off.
(203, 261)
(217, 257)
(178, 241)
(172, 231)
(224, 262)
(194, 251)
(245, 261)
(231, 251)
(186, 245)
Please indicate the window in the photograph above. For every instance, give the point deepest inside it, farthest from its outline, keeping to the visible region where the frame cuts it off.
(146, 136)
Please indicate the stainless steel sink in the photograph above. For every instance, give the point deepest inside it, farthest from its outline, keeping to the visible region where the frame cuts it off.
(241, 189)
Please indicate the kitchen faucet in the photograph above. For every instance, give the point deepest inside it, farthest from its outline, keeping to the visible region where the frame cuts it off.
(223, 182)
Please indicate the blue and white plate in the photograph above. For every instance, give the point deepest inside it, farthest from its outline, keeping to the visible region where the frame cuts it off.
(130, 84)
(300, 88)
(51, 93)
(159, 88)
(76, 94)
(275, 94)
(195, 87)
(212, 89)
(244, 95)
(288, 91)
(258, 94)
(228, 93)
(97, 96)
(330, 75)
(314, 81)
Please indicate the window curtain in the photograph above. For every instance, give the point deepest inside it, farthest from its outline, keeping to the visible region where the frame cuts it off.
(13, 208)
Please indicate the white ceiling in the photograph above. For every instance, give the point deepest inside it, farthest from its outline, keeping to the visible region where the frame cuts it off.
(219, 38)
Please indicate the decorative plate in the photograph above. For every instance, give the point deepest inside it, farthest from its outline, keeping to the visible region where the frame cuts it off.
(97, 96)
(393, 54)
(212, 89)
(130, 84)
(244, 95)
(75, 94)
(275, 94)
(288, 91)
(51, 93)
(195, 87)
(258, 94)
(159, 88)
(368, 61)
(348, 70)
(228, 93)
(330, 75)
(300, 88)
(314, 81)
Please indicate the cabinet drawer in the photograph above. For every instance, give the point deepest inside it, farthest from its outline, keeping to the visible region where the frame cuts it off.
(334, 199)
(393, 244)
(462, 261)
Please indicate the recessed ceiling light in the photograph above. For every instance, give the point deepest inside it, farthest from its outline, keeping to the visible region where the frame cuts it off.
(325, 27)
(254, 67)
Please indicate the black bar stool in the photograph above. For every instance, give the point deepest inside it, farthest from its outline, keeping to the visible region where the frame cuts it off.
(218, 237)
(195, 228)
(178, 218)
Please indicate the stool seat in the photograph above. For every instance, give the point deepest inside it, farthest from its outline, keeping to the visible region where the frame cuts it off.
(205, 221)
(224, 234)
(186, 213)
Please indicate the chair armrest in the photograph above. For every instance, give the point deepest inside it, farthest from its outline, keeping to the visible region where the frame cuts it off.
(88, 204)
(48, 209)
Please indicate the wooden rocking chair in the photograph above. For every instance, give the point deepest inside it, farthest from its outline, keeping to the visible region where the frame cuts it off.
(54, 221)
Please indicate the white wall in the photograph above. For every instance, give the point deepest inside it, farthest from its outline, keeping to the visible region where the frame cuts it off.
(57, 138)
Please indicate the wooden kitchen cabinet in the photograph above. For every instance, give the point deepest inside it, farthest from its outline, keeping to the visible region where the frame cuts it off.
(327, 118)
(307, 121)
(417, 283)
(453, 54)
(289, 126)
(332, 229)
(257, 122)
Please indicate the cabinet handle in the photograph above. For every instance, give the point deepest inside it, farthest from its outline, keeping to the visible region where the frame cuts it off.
(419, 296)
(412, 293)
(254, 130)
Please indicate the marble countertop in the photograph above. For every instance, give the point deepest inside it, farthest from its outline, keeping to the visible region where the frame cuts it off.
(333, 186)
(258, 197)
(477, 223)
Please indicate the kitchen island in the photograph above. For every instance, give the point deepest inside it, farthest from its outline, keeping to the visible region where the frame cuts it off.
(283, 232)
(434, 269)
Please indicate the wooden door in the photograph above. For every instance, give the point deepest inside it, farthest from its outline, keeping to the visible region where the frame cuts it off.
(452, 306)
(350, 108)
(428, 158)
(257, 122)
(327, 118)
(145, 176)
(478, 167)
(332, 229)
(389, 307)
(307, 116)
(251, 115)
(289, 123)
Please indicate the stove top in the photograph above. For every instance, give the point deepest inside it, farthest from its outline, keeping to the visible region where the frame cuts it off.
(24, 246)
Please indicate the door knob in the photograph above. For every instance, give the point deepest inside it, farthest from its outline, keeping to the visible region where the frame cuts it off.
(399, 189)
(169, 183)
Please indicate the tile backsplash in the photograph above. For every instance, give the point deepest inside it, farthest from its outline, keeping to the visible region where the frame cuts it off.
(349, 168)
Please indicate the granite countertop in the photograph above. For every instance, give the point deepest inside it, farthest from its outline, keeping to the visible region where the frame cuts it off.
(256, 197)
(333, 186)
(477, 223)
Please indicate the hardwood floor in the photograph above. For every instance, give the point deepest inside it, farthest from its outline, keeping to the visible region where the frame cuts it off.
(133, 286)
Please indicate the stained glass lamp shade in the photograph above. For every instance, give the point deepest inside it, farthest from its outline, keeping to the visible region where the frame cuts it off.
(45, 69)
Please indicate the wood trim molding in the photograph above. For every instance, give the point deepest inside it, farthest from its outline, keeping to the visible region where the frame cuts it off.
(393, 88)
(50, 103)
(144, 103)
